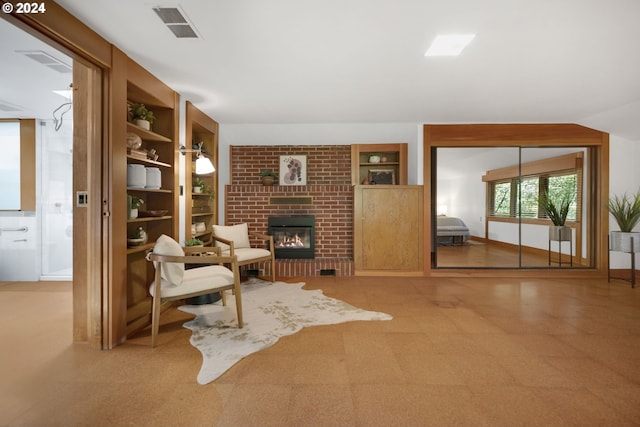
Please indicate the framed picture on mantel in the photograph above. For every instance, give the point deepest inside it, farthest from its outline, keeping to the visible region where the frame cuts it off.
(293, 170)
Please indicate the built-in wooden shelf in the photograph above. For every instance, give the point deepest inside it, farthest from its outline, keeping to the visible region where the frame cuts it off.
(148, 161)
(150, 190)
(149, 219)
(147, 135)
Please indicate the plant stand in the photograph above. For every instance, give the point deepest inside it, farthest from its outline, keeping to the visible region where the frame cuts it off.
(633, 263)
(560, 239)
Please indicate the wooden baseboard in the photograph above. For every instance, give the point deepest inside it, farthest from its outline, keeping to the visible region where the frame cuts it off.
(624, 274)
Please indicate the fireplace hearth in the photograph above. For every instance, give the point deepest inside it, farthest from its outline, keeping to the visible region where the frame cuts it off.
(293, 236)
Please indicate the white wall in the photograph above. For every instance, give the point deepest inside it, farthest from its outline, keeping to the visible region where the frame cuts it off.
(624, 154)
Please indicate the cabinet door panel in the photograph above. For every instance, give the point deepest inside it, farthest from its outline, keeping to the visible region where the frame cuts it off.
(391, 237)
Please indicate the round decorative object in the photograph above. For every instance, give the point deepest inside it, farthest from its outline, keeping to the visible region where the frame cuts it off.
(374, 159)
(133, 141)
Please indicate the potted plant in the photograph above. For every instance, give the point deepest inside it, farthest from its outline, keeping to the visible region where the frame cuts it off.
(198, 185)
(557, 208)
(625, 210)
(134, 203)
(268, 176)
(138, 237)
(142, 116)
(194, 242)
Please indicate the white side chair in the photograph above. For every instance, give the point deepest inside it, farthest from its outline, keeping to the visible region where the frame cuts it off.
(172, 282)
(233, 240)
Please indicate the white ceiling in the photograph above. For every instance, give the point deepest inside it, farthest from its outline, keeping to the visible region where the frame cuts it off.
(362, 61)
(26, 86)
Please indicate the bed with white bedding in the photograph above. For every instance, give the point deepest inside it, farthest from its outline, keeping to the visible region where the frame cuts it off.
(451, 231)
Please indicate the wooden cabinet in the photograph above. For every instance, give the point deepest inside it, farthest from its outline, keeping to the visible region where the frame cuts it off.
(159, 212)
(388, 230)
(201, 208)
(379, 164)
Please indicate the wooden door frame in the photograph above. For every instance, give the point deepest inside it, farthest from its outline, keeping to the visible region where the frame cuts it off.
(523, 135)
(91, 225)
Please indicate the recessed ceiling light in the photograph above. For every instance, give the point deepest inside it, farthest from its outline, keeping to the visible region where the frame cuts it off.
(449, 44)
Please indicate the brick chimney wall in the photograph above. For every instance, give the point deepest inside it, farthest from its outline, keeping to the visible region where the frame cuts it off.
(328, 183)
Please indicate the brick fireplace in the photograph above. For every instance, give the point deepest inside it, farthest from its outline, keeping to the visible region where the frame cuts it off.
(328, 197)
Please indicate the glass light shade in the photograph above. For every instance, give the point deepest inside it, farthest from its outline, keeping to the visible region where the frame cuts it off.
(204, 166)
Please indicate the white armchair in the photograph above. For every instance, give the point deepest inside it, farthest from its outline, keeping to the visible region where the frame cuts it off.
(233, 240)
(172, 282)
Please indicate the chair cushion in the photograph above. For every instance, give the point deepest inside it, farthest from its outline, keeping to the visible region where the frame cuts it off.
(244, 254)
(239, 234)
(172, 272)
(197, 280)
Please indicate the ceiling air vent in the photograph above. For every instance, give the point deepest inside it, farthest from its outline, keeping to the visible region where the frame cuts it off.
(176, 21)
(47, 59)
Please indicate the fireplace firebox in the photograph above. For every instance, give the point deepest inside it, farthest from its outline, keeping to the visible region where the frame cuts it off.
(293, 236)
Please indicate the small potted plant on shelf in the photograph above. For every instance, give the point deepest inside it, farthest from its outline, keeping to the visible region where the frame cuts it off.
(268, 176)
(142, 116)
(194, 242)
(134, 203)
(626, 211)
(556, 207)
(137, 238)
(198, 185)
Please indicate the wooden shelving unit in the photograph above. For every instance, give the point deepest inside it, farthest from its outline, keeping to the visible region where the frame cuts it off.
(391, 169)
(201, 207)
(133, 84)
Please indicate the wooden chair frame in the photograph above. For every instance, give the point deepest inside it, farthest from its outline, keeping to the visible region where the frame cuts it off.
(191, 257)
(270, 258)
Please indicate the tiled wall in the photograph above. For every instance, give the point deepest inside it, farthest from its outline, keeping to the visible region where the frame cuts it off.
(328, 183)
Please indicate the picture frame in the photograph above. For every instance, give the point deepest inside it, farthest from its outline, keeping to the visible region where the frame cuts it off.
(382, 176)
(293, 170)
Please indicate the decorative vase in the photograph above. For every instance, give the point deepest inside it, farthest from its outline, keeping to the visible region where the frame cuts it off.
(144, 124)
(560, 233)
(197, 190)
(133, 213)
(374, 159)
(136, 176)
(621, 241)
